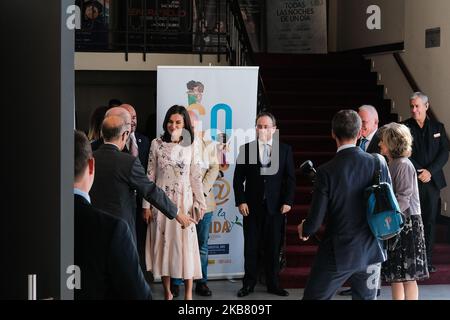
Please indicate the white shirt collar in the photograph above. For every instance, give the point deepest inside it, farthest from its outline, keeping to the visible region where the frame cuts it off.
(345, 146)
(370, 136)
(261, 143)
(82, 194)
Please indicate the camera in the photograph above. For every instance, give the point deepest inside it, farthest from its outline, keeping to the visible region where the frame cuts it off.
(307, 168)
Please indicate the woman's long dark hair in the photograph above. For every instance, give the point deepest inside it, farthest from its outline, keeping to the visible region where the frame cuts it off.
(176, 109)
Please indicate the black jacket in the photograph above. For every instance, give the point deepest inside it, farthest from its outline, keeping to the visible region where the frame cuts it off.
(278, 189)
(430, 149)
(339, 196)
(118, 175)
(107, 256)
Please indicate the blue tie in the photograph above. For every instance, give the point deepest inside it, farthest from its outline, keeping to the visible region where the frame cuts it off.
(266, 155)
(363, 143)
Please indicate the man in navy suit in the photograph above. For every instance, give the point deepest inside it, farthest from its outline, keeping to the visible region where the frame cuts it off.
(104, 245)
(264, 190)
(348, 251)
(368, 142)
(429, 156)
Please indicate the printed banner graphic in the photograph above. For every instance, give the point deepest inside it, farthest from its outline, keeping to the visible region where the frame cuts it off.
(224, 98)
(297, 26)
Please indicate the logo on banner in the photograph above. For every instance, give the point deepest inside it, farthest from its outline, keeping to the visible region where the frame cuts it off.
(223, 191)
(224, 224)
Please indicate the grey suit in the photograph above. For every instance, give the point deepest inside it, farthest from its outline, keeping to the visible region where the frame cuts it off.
(118, 176)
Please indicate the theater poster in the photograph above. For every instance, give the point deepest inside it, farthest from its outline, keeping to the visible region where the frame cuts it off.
(297, 26)
(95, 22)
(224, 98)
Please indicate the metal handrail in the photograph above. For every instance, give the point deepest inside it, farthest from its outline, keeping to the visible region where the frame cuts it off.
(241, 51)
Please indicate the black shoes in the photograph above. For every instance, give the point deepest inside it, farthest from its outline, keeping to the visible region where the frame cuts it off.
(202, 290)
(175, 289)
(348, 292)
(278, 292)
(244, 291)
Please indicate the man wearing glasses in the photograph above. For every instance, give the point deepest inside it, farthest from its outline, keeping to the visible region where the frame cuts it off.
(119, 175)
(264, 190)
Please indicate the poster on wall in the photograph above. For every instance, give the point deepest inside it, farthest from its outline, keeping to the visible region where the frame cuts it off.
(95, 20)
(297, 26)
(224, 99)
(168, 23)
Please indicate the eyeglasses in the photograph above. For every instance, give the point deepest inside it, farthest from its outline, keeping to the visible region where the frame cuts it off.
(264, 127)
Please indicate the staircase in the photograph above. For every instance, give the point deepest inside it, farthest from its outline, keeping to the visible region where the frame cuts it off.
(305, 91)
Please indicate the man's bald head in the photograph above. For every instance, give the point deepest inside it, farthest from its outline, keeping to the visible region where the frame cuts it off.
(132, 112)
(120, 112)
(113, 128)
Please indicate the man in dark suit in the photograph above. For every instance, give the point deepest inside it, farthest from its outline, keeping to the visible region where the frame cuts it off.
(104, 247)
(348, 250)
(429, 156)
(369, 139)
(138, 145)
(114, 111)
(120, 174)
(368, 142)
(264, 190)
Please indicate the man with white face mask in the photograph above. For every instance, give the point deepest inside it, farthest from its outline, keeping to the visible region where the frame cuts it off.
(264, 190)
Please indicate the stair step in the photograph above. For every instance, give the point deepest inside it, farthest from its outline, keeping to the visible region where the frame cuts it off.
(442, 276)
(294, 277)
(303, 195)
(312, 143)
(352, 101)
(300, 255)
(303, 127)
(317, 157)
(296, 215)
(309, 59)
(292, 235)
(441, 253)
(343, 73)
(319, 84)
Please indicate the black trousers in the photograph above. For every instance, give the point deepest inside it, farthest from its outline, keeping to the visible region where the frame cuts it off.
(429, 204)
(262, 232)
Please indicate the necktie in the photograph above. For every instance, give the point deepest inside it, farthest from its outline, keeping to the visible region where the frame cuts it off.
(266, 155)
(134, 150)
(363, 143)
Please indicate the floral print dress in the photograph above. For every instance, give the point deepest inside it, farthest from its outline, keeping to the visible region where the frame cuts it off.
(171, 250)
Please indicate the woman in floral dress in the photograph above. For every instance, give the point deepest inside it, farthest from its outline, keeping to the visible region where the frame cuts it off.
(171, 250)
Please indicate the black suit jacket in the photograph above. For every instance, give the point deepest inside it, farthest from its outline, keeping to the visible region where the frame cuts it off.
(278, 189)
(373, 145)
(339, 195)
(143, 146)
(118, 176)
(107, 256)
(430, 149)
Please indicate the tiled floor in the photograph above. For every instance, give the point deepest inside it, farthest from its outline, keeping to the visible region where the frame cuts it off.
(227, 290)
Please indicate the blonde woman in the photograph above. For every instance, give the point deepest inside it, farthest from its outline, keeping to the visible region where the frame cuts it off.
(407, 261)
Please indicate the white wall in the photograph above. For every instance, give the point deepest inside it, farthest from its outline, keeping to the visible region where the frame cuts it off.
(429, 67)
(116, 61)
